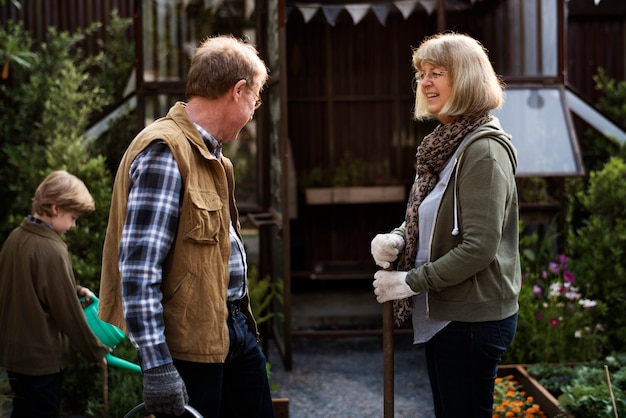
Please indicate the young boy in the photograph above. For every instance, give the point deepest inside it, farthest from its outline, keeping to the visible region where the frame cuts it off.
(40, 312)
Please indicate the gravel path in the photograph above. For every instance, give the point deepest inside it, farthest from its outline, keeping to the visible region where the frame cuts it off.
(342, 377)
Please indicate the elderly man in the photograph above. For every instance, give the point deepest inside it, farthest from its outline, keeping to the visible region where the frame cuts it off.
(174, 265)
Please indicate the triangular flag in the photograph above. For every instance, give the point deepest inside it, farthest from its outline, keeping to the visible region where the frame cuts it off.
(331, 12)
(357, 11)
(381, 11)
(249, 8)
(429, 5)
(308, 10)
(216, 4)
(406, 7)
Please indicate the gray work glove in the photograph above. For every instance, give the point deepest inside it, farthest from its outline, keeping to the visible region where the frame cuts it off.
(385, 249)
(391, 285)
(164, 390)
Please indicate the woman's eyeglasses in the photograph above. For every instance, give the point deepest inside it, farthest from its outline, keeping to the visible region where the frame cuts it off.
(433, 75)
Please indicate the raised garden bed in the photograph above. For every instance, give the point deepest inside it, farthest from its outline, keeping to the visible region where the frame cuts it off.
(542, 397)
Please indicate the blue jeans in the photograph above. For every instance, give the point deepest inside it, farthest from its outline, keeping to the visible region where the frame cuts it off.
(239, 387)
(36, 396)
(462, 361)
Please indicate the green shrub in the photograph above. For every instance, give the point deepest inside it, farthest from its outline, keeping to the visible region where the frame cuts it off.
(597, 247)
(124, 387)
(50, 96)
(583, 389)
(557, 322)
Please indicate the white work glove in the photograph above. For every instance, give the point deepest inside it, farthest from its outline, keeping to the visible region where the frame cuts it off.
(391, 285)
(385, 249)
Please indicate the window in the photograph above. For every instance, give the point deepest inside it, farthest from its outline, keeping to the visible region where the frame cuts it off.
(542, 131)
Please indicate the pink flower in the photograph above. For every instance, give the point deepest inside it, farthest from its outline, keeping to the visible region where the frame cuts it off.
(554, 321)
(568, 276)
(553, 267)
(563, 260)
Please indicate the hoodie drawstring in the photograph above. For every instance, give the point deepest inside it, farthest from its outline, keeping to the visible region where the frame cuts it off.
(455, 230)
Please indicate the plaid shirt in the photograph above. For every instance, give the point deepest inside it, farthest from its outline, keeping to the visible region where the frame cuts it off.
(154, 204)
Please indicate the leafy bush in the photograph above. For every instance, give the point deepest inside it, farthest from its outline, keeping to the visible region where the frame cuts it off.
(598, 246)
(50, 94)
(613, 100)
(124, 387)
(583, 389)
(262, 293)
(556, 322)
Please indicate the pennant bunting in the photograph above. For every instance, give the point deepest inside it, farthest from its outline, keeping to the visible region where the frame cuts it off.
(357, 11)
(406, 7)
(216, 4)
(429, 5)
(381, 11)
(308, 10)
(249, 8)
(331, 12)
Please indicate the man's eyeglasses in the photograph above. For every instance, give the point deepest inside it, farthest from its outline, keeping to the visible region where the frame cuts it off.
(257, 101)
(434, 75)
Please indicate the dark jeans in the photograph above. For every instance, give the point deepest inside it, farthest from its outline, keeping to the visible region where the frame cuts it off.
(239, 388)
(462, 362)
(36, 396)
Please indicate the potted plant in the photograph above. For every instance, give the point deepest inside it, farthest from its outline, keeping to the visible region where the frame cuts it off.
(353, 180)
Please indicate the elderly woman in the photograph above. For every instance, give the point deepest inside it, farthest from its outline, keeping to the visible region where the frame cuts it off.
(458, 271)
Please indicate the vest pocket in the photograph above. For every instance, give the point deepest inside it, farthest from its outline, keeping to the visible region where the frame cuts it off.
(205, 216)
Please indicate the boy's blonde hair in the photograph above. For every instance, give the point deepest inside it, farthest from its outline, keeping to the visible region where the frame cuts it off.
(64, 190)
(476, 89)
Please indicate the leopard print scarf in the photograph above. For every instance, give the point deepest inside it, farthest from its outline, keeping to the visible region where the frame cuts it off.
(433, 154)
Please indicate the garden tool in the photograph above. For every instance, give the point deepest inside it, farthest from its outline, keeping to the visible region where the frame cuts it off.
(189, 409)
(388, 411)
(108, 334)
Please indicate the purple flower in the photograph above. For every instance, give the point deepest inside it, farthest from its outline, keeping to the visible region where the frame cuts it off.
(553, 267)
(568, 276)
(563, 260)
(538, 290)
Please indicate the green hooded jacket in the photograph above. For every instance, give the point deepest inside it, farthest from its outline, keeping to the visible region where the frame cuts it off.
(475, 275)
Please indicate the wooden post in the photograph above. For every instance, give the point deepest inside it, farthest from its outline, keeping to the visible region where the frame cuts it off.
(388, 359)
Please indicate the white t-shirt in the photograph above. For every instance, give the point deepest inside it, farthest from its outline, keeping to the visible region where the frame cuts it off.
(424, 327)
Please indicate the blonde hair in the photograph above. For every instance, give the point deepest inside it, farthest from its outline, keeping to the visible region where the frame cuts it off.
(64, 190)
(476, 89)
(219, 63)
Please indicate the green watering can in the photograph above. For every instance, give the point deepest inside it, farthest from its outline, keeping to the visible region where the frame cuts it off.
(108, 334)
